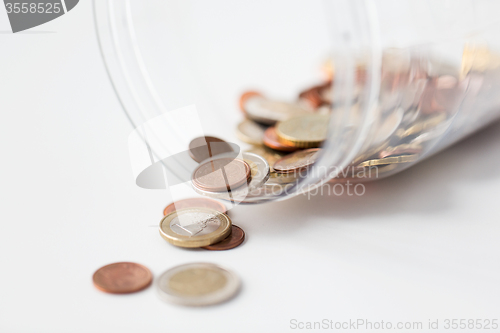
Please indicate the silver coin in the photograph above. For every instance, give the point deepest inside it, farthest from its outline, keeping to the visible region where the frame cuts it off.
(269, 112)
(197, 223)
(197, 284)
(259, 169)
(250, 132)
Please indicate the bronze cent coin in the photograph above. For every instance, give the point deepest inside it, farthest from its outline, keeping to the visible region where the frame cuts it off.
(317, 95)
(122, 278)
(271, 141)
(205, 147)
(221, 174)
(236, 237)
(297, 161)
(193, 203)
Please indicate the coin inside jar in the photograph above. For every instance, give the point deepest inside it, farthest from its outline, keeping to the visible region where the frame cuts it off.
(205, 147)
(270, 155)
(193, 203)
(271, 141)
(266, 111)
(306, 131)
(250, 132)
(297, 161)
(316, 96)
(246, 95)
(122, 278)
(389, 160)
(197, 284)
(259, 171)
(234, 239)
(403, 149)
(195, 227)
(221, 174)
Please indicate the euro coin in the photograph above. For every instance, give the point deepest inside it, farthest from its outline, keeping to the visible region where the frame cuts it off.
(250, 132)
(297, 161)
(197, 284)
(221, 174)
(306, 131)
(195, 227)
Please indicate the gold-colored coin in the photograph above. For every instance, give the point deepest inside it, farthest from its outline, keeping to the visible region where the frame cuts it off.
(298, 161)
(195, 227)
(276, 178)
(307, 131)
(250, 132)
(197, 284)
(389, 160)
(478, 59)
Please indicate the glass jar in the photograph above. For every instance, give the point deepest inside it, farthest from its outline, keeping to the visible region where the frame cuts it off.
(410, 78)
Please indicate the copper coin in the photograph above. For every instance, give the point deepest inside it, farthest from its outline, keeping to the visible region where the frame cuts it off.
(205, 147)
(271, 141)
(195, 203)
(122, 278)
(297, 161)
(245, 96)
(236, 237)
(221, 174)
(317, 95)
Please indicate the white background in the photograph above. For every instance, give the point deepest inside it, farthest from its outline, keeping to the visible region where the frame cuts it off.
(421, 245)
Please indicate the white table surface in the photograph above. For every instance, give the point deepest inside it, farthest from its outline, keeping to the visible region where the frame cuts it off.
(420, 246)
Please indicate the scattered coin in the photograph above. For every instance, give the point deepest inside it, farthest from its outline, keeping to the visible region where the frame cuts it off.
(306, 131)
(297, 161)
(221, 174)
(195, 202)
(266, 111)
(195, 227)
(234, 239)
(197, 284)
(271, 141)
(205, 147)
(122, 278)
(250, 132)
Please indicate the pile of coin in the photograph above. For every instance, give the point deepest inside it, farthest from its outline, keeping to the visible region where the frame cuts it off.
(189, 223)
(415, 106)
(417, 101)
(200, 222)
